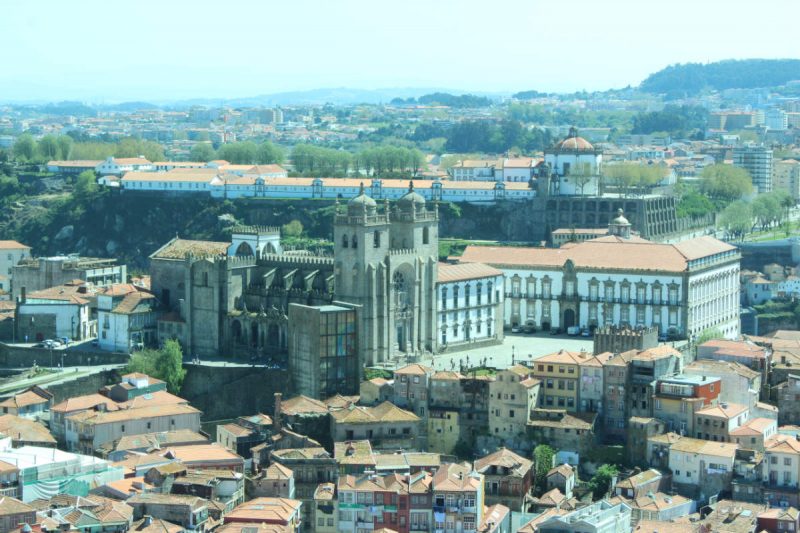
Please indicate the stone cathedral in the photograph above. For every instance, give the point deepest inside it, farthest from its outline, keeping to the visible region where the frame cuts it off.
(233, 297)
(386, 262)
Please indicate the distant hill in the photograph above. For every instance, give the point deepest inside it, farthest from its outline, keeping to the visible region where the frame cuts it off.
(441, 98)
(691, 78)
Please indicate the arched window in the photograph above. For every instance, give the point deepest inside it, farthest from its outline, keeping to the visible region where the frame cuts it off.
(479, 292)
(355, 241)
(345, 241)
(399, 286)
(467, 293)
(455, 296)
(489, 292)
(425, 235)
(444, 297)
(376, 239)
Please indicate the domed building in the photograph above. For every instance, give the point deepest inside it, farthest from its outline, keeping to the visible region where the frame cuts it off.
(574, 165)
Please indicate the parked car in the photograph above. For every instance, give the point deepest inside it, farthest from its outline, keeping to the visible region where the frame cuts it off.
(586, 332)
(515, 329)
(65, 340)
(554, 331)
(573, 331)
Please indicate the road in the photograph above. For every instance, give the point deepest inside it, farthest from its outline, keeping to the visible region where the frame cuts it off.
(53, 378)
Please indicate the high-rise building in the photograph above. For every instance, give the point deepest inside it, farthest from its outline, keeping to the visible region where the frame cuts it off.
(757, 160)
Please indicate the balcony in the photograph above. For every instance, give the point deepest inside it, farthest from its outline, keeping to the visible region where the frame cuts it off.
(362, 525)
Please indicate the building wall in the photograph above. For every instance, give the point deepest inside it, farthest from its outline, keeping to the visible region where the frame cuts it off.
(9, 257)
(443, 430)
(102, 433)
(510, 404)
(470, 311)
(39, 321)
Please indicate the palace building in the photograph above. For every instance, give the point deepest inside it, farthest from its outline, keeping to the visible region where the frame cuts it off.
(620, 279)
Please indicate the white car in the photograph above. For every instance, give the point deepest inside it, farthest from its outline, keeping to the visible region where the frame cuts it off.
(515, 329)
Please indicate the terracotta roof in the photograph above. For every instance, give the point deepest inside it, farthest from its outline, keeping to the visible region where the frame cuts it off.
(659, 526)
(130, 161)
(303, 405)
(156, 525)
(598, 253)
(154, 411)
(414, 369)
(24, 399)
(80, 403)
(725, 410)
(447, 375)
(278, 471)
(781, 443)
(11, 506)
(639, 479)
(563, 469)
(178, 248)
(518, 465)
(236, 430)
(533, 525)
(67, 293)
(453, 477)
(160, 397)
(9, 245)
(705, 447)
(754, 426)
(24, 430)
(201, 453)
(385, 412)
(135, 302)
(447, 273)
(276, 510)
(129, 485)
(246, 527)
(75, 163)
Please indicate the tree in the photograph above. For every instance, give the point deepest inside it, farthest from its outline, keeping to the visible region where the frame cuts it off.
(48, 147)
(737, 218)
(766, 210)
(601, 481)
(268, 153)
(463, 450)
(165, 364)
(85, 185)
(24, 148)
(542, 463)
(708, 334)
(240, 153)
(292, 229)
(133, 147)
(202, 152)
(65, 146)
(725, 182)
(582, 175)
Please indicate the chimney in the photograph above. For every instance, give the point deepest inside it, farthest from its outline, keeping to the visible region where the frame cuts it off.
(276, 419)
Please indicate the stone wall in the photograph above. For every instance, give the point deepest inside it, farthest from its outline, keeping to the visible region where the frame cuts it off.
(227, 392)
(19, 357)
(83, 385)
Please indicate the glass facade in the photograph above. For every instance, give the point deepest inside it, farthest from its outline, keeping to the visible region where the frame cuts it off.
(338, 358)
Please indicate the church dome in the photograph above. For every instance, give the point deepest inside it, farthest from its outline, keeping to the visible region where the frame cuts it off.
(411, 200)
(358, 204)
(574, 143)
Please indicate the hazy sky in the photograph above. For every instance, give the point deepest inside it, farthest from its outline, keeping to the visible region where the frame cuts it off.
(110, 51)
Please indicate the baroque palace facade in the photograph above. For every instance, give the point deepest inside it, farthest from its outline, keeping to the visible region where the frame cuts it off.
(682, 289)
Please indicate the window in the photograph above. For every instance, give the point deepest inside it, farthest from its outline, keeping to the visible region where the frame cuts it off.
(345, 242)
(444, 297)
(425, 235)
(376, 239)
(787, 461)
(355, 242)
(511, 413)
(489, 292)
(467, 293)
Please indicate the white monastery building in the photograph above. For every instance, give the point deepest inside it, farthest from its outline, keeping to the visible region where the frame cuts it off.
(620, 279)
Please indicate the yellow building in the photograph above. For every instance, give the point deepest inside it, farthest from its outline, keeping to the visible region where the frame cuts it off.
(560, 376)
(443, 429)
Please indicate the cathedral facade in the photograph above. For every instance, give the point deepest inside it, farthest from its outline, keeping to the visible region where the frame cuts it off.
(233, 298)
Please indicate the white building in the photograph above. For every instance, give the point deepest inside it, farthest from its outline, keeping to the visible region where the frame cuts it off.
(599, 517)
(120, 165)
(221, 184)
(126, 318)
(476, 170)
(11, 252)
(702, 463)
(683, 288)
(776, 119)
(61, 311)
(47, 472)
(470, 303)
(756, 160)
(781, 466)
(519, 169)
(575, 166)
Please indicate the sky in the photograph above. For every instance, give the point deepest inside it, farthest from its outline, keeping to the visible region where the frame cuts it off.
(106, 51)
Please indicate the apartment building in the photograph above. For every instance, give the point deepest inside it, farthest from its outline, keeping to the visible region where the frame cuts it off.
(716, 422)
(701, 468)
(87, 430)
(386, 425)
(507, 478)
(781, 470)
(411, 385)
(678, 398)
(458, 498)
(512, 396)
